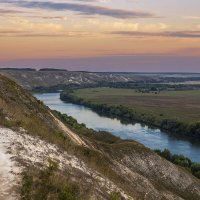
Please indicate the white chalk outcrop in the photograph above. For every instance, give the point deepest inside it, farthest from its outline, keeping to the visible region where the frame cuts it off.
(16, 146)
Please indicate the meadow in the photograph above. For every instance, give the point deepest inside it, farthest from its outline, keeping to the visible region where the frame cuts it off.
(182, 106)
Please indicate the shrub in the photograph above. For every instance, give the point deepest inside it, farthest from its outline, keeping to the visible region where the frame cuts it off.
(181, 160)
(48, 183)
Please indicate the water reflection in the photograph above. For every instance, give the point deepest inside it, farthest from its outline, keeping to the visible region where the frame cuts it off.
(152, 138)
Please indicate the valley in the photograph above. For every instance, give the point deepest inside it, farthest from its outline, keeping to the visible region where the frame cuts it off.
(174, 111)
(150, 137)
(58, 157)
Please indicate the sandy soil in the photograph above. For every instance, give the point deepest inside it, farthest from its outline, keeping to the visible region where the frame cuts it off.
(74, 137)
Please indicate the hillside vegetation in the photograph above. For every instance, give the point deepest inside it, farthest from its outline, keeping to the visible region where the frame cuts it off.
(105, 167)
(18, 108)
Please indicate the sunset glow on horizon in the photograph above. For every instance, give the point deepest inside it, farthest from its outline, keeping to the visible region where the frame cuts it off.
(100, 35)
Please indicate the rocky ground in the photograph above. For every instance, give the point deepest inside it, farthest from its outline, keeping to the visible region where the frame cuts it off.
(147, 176)
(17, 148)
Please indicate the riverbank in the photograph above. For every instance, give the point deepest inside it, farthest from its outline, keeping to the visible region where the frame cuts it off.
(150, 137)
(127, 114)
(180, 160)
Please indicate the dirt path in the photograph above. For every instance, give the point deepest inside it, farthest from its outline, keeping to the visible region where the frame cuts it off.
(73, 136)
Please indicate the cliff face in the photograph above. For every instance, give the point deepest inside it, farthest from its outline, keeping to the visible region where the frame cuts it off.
(31, 134)
(151, 176)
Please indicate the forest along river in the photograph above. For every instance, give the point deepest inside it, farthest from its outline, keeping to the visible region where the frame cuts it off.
(152, 138)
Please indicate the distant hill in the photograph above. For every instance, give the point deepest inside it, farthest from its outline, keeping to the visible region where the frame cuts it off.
(52, 69)
(17, 69)
(30, 79)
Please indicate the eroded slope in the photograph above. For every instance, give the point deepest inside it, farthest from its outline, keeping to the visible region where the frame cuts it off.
(98, 166)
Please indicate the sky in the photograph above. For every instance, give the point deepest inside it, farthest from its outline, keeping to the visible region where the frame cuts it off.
(101, 35)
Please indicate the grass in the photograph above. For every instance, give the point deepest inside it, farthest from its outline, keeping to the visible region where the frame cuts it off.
(48, 184)
(178, 105)
(18, 108)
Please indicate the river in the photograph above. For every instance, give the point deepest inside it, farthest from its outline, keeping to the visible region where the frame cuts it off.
(152, 138)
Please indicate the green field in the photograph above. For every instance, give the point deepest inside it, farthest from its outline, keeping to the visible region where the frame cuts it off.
(179, 105)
